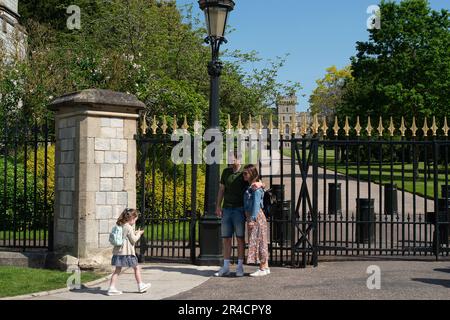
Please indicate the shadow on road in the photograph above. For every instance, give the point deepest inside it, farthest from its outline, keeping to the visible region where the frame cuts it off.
(438, 282)
(201, 273)
(96, 290)
(446, 270)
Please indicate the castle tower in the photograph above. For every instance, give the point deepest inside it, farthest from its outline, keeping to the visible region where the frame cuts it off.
(286, 109)
(12, 34)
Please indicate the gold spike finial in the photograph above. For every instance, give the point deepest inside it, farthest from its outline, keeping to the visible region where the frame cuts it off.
(324, 126)
(250, 122)
(185, 124)
(347, 127)
(305, 127)
(369, 128)
(425, 128)
(446, 127)
(281, 126)
(315, 125)
(174, 124)
(240, 126)
(380, 127)
(164, 125)
(414, 127)
(434, 127)
(229, 125)
(144, 125)
(336, 126)
(260, 125)
(392, 127)
(358, 127)
(154, 125)
(403, 127)
(197, 126)
(293, 124)
(271, 124)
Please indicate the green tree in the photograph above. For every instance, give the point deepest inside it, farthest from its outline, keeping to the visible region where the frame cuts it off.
(328, 95)
(145, 47)
(404, 68)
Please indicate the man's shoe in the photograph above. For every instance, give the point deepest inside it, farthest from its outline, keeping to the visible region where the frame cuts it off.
(267, 271)
(143, 287)
(114, 292)
(259, 273)
(222, 273)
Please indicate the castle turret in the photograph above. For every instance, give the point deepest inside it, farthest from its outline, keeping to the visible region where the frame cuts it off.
(286, 108)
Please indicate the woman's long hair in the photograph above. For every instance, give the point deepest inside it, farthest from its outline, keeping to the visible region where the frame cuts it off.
(126, 216)
(253, 172)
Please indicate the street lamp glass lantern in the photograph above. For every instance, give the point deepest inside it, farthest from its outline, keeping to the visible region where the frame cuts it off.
(216, 15)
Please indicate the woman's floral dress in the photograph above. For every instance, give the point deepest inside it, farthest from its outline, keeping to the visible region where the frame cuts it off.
(258, 250)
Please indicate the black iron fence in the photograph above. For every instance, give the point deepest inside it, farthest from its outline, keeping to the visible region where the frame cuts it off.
(26, 183)
(341, 192)
(168, 201)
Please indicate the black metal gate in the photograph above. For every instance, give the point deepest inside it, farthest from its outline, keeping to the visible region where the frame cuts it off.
(168, 202)
(339, 196)
(385, 197)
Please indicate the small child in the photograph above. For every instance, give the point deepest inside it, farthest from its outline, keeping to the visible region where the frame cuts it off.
(125, 255)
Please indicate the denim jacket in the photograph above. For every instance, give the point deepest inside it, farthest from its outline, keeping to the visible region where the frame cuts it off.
(253, 202)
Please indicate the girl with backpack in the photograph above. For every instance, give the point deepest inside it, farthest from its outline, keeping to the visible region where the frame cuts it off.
(124, 237)
(258, 250)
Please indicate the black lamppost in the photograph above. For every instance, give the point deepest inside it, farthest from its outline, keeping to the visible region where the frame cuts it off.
(216, 13)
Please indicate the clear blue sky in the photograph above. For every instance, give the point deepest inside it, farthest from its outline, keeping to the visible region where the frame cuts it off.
(316, 33)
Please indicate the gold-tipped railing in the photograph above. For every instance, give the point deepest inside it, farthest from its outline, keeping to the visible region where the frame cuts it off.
(305, 126)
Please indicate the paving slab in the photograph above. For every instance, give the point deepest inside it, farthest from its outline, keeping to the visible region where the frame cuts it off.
(167, 280)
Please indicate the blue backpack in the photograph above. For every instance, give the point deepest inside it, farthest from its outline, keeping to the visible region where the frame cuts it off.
(116, 236)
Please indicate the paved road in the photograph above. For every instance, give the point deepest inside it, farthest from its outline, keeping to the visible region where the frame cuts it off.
(333, 280)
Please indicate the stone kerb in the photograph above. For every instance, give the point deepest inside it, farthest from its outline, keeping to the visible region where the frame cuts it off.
(95, 168)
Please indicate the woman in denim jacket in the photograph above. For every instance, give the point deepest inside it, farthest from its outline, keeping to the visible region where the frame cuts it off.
(258, 250)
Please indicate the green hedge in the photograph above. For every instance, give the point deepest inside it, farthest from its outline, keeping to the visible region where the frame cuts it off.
(19, 205)
(170, 206)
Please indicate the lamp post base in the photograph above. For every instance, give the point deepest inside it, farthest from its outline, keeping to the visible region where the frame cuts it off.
(210, 242)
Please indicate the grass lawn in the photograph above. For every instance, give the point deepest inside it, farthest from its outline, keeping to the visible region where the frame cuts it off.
(20, 235)
(177, 231)
(171, 231)
(15, 281)
(409, 183)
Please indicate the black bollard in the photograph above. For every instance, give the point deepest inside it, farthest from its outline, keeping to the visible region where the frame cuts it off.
(334, 199)
(445, 191)
(365, 218)
(278, 191)
(444, 217)
(390, 199)
(282, 223)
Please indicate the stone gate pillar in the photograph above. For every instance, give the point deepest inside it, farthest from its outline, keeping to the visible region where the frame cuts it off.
(95, 170)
